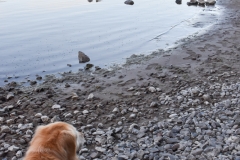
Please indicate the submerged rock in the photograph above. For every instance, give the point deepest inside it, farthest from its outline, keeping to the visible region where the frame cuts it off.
(83, 58)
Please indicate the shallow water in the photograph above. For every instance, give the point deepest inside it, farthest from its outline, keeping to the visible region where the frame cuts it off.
(46, 35)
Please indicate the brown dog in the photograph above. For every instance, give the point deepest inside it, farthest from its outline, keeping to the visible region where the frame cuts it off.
(55, 141)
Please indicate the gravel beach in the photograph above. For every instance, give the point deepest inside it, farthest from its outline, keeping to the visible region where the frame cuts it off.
(182, 103)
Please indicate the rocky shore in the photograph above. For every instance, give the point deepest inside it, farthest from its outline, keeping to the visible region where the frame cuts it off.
(177, 104)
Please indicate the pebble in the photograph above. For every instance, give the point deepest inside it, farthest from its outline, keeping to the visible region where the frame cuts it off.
(45, 119)
(91, 96)
(5, 129)
(152, 89)
(19, 154)
(56, 106)
(10, 96)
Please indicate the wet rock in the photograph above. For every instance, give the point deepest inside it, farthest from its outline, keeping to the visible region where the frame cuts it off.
(33, 83)
(88, 66)
(129, 2)
(83, 58)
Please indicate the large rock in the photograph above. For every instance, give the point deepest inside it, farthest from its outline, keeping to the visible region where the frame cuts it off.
(83, 58)
(129, 2)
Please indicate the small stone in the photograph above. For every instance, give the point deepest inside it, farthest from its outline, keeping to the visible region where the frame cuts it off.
(175, 147)
(55, 119)
(91, 96)
(129, 2)
(132, 116)
(83, 58)
(56, 106)
(38, 115)
(29, 132)
(197, 152)
(67, 85)
(13, 148)
(100, 149)
(88, 66)
(94, 155)
(131, 89)
(172, 140)
(1, 119)
(10, 121)
(115, 110)
(154, 104)
(19, 154)
(173, 116)
(10, 96)
(206, 97)
(152, 89)
(85, 112)
(45, 119)
(74, 96)
(5, 129)
(68, 115)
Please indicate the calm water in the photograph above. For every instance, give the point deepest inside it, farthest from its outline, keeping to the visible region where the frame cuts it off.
(46, 35)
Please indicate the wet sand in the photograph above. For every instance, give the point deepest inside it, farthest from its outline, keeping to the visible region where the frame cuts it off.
(137, 93)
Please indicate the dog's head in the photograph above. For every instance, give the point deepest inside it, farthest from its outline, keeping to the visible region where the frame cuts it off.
(56, 139)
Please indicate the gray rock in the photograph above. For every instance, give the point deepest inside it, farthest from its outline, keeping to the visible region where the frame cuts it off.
(172, 140)
(100, 149)
(197, 152)
(45, 119)
(129, 2)
(10, 96)
(5, 129)
(19, 154)
(13, 148)
(83, 58)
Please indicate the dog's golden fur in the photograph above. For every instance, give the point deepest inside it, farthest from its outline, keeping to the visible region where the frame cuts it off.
(55, 141)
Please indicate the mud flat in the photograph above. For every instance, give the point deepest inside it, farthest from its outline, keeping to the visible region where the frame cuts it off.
(177, 104)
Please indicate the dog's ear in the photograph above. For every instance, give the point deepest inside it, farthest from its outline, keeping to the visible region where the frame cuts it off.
(67, 141)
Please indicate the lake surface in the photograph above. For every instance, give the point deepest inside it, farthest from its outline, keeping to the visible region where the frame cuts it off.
(46, 35)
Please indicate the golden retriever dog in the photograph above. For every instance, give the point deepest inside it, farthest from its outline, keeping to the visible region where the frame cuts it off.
(55, 141)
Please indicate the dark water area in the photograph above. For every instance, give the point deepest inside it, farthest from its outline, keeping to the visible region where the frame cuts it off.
(42, 37)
